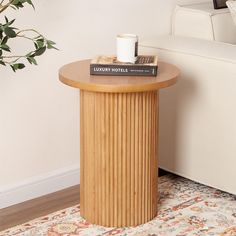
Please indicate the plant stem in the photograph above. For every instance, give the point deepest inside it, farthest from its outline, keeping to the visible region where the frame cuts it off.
(12, 57)
(4, 7)
(25, 37)
(13, 61)
(30, 30)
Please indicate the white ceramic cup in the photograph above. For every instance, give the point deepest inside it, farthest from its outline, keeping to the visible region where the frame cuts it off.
(127, 48)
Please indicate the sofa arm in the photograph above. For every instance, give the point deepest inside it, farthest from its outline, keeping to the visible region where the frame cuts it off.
(197, 47)
(197, 115)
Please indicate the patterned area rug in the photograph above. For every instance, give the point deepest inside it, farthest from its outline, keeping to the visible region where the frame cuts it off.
(185, 209)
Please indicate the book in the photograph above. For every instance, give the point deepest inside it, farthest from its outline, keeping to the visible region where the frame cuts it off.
(145, 65)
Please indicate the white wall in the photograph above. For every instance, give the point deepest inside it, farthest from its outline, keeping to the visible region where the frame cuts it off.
(39, 117)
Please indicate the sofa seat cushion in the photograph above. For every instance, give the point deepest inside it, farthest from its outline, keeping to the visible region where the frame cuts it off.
(203, 21)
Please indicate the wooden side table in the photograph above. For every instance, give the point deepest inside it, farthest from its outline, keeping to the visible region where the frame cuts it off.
(119, 143)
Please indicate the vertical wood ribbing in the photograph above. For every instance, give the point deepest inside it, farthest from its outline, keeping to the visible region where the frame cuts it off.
(81, 152)
(119, 157)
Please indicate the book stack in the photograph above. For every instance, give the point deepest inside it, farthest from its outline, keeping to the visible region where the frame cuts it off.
(145, 65)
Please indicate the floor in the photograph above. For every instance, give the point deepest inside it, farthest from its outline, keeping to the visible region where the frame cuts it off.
(41, 206)
(185, 208)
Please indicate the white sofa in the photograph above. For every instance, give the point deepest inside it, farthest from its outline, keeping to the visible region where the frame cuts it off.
(198, 114)
(201, 20)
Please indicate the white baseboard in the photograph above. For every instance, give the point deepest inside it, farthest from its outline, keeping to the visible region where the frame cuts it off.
(39, 186)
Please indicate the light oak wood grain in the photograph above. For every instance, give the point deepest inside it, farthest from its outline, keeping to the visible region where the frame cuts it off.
(119, 140)
(119, 157)
(77, 75)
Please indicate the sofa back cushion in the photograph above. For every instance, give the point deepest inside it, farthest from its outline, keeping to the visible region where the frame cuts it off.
(188, 2)
(203, 21)
(232, 7)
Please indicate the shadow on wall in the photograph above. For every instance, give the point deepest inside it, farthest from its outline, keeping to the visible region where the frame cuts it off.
(173, 104)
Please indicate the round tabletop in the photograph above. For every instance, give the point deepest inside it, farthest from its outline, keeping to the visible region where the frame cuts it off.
(77, 75)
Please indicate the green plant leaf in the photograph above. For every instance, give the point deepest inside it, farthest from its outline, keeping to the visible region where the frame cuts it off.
(15, 2)
(13, 7)
(6, 19)
(40, 39)
(36, 45)
(39, 51)
(18, 66)
(40, 43)
(10, 32)
(30, 2)
(50, 42)
(50, 45)
(11, 22)
(5, 47)
(20, 3)
(2, 63)
(31, 60)
(21, 66)
(5, 39)
(13, 68)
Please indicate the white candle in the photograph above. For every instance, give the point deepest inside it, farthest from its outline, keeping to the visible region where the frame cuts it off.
(127, 48)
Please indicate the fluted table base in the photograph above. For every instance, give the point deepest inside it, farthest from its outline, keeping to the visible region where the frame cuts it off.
(119, 140)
